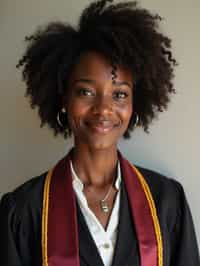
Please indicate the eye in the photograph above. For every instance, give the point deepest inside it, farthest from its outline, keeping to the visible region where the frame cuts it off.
(120, 95)
(85, 92)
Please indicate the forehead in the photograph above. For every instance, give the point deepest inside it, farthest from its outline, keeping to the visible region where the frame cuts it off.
(95, 65)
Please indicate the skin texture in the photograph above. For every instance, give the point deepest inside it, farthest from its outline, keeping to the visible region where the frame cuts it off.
(99, 110)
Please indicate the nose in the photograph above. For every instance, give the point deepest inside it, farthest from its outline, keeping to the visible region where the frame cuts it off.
(103, 105)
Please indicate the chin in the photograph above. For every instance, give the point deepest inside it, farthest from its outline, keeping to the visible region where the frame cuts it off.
(102, 144)
(99, 141)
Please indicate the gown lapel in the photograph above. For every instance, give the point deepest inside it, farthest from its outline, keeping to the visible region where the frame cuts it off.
(126, 249)
(144, 215)
(88, 251)
(59, 221)
(124, 254)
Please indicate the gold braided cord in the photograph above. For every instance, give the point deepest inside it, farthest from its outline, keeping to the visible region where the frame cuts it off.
(153, 214)
(45, 218)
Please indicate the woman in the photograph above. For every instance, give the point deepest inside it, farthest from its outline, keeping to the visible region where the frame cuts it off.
(96, 83)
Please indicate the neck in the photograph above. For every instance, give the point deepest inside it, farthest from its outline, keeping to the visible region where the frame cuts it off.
(95, 167)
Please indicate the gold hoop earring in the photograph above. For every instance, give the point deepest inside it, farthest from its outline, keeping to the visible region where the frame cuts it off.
(136, 120)
(62, 115)
(63, 112)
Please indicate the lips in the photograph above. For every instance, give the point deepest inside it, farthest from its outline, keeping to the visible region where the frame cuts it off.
(101, 126)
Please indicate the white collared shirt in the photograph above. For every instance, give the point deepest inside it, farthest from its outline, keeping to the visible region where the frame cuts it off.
(105, 240)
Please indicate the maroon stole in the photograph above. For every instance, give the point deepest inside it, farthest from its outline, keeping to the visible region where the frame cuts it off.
(59, 220)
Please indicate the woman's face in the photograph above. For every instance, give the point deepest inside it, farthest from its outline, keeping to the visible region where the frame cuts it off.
(99, 110)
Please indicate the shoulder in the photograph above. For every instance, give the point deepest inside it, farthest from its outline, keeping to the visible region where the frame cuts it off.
(25, 199)
(175, 218)
(20, 223)
(161, 184)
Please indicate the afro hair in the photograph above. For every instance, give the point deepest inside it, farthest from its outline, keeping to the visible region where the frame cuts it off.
(126, 34)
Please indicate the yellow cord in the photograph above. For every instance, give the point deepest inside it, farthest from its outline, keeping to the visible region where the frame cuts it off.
(45, 218)
(153, 214)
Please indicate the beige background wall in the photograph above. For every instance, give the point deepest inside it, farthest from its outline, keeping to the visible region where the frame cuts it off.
(173, 145)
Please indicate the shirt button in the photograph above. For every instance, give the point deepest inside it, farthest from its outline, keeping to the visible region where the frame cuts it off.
(106, 246)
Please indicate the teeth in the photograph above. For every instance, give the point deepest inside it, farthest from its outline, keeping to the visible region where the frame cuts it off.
(102, 126)
(102, 123)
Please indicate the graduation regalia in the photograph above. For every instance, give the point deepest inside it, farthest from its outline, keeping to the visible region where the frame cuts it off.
(41, 223)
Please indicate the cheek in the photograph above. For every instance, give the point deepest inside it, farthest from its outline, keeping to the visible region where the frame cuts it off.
(76, 112)
(127, 113)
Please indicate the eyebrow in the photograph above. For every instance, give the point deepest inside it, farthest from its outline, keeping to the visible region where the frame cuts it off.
(84, 80)
(118, 83)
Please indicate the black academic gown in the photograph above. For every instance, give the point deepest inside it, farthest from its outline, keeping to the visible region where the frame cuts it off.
(20, 227)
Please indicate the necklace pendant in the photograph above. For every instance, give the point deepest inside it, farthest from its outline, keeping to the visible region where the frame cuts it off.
(104, 206)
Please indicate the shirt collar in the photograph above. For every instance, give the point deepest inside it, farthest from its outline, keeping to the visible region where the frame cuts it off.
(79, 184)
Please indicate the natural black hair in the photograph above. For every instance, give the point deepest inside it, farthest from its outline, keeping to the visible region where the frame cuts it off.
(126, 34)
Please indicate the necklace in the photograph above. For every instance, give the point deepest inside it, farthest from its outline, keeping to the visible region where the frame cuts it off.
(103, 203)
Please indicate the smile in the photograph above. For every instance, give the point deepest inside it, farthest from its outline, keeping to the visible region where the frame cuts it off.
(103, 126)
